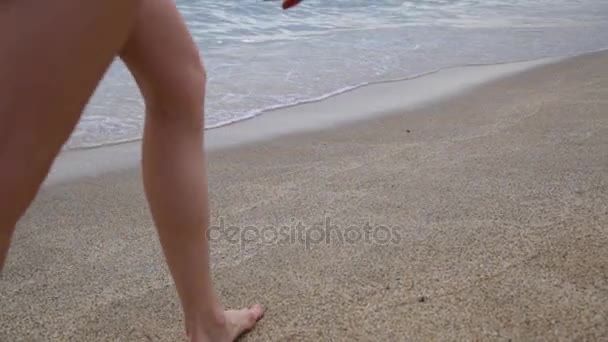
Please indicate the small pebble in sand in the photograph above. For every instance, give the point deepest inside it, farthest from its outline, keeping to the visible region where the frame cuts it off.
(422, 299)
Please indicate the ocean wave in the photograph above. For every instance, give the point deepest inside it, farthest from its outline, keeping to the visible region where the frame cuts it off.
(260, 58)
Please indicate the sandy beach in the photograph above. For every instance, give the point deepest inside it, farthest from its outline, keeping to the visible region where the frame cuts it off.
(480, 216)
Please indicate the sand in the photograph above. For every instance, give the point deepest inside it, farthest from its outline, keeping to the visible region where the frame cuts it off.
(483, 216)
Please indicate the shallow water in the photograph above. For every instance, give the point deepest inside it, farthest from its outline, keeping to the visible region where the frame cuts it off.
(260, 57)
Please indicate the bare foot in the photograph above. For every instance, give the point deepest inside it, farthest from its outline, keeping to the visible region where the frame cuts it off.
(242, 321)
(234, 324)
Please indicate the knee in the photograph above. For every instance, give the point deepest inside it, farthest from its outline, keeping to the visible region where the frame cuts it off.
(181, 98)
(194, 83)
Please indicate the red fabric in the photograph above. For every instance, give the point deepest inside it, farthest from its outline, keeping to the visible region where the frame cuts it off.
(290, 3)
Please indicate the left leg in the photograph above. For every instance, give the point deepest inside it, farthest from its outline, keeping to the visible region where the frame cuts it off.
(166, 64)
(52, 56)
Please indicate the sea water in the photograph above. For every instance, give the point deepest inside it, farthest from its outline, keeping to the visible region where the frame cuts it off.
(259, 57)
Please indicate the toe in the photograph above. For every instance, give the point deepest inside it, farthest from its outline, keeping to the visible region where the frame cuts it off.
(257, 312)
(253, 314)
(241, 321)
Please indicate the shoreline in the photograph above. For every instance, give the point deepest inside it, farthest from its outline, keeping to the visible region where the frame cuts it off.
(348, 89)
(307, 116)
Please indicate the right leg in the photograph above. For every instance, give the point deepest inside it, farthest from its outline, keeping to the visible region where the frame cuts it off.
(165, 62)
(52, 56)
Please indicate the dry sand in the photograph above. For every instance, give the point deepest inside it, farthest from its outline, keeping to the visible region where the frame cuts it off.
(495, 201)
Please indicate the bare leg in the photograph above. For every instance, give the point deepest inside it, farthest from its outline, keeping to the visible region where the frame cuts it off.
(169, 72)
(52, 56)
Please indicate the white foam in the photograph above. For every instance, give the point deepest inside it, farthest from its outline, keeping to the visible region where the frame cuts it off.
(261, 58)
(357, 104)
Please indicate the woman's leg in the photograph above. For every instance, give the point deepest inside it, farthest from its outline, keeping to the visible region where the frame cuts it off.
(52, 56)
(165, 62)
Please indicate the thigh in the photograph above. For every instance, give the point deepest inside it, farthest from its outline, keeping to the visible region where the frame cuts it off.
(163, 57)
(52, 56)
